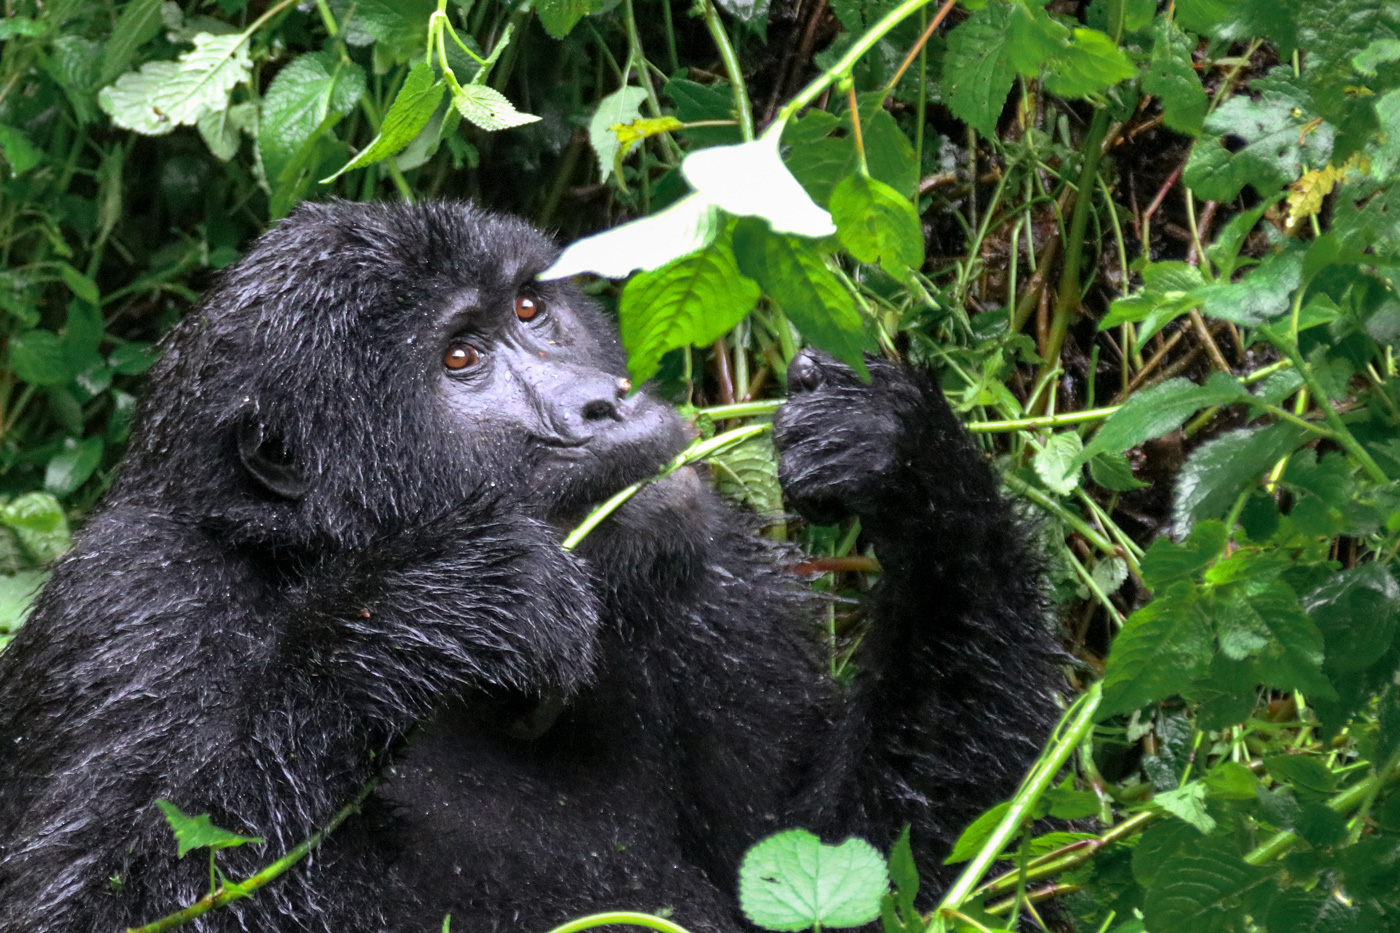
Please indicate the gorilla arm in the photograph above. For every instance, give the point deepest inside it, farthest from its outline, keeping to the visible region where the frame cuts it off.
(261, 705)
(957, 675)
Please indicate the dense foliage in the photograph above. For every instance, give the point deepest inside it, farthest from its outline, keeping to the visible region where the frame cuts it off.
(1149, 250)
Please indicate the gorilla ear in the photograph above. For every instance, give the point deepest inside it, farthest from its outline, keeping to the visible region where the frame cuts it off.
(268, 461)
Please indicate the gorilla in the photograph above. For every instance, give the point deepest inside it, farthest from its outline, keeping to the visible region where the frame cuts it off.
(333, 553)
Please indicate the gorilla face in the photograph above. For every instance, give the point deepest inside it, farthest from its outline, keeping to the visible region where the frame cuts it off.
(528, 387)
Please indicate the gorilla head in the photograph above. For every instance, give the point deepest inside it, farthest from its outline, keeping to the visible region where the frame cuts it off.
(354, 334)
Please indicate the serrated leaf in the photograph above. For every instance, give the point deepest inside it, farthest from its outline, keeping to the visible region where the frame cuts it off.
(1261, 295)
(747, 473)
(488, 108)
(693, 300)
(411, 110)
(197, 832)
(1090, 64)
(621, 106)
(750, 180)
(689, 225)
(876, 224)
(794, 275)
(1188, 804)
(221, 129)
(1173, 81)
(1263, 622)
(1167, 562)
(1357, 612)
(1200, 889)
(1281, 138)
(820, 160)
(977, 69)
(1162, 648)
(792, 881)
(1112, 471)
(1056, 463)
(1159, 410)
(753, 12)
(164, 95)
(310, 90)
(1222, 468)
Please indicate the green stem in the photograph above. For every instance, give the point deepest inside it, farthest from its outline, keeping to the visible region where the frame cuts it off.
(234, 891)
(625, 917)
(1074, 727)
(862, 45)
(742, 409)
(742, 107)
(1021, 488)
(1341, 434)
(1043, 421)
(1067, 302)
(696, 451)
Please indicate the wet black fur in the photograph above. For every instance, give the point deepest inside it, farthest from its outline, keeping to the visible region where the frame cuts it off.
(259, 657)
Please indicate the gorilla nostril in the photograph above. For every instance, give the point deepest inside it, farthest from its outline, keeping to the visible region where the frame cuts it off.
(599, 410)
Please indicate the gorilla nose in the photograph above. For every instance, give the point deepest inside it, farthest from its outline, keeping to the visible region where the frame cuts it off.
(604, 405)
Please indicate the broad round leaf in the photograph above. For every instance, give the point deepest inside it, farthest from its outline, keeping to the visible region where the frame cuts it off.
(792, 881)
(750, 180)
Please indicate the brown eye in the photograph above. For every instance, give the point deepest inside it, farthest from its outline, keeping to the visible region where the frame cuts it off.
(461, 356)
(527, 308)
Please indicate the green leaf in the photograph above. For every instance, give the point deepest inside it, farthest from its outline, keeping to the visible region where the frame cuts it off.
(38, 522)
(792, 881)
(138, 24)
(794, 275)
(14, 25)
(750, 180)
(1090, 64)
(164, 95)
(1379, 52)
(73, 465)
(1201, 889)
(221, 129)
(690, 224)
(621, 106)
(411, 110)
(1173, 81)
(1280, 139)
(977, 69)
(559, 17)
(1160, 410)
(876, 224)
(693, 300)
(310, 92)
(1356, 611)
(1263, 622)
(1112, 471)
(488, 108)
(1110, 573)
(747, 473)
(79, 284)
(1189, 804)
(1057, 465)
(1263, 294)
(17, 594)
(197, 832)
(1161, 649)
(37, 356)
(820, 160)
(18, 151)
(971, 840)
(1218, 471)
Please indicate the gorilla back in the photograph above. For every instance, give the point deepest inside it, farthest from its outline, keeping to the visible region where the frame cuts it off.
(333, 552)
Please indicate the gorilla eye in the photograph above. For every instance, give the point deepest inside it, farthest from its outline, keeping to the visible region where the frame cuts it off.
(461, 356)
(527, 308)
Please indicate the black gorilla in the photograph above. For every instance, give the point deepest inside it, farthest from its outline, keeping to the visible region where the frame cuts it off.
(333, 551)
